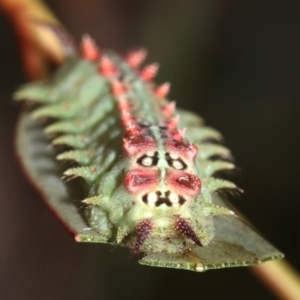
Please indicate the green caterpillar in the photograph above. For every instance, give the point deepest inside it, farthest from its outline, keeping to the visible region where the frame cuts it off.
(151, 172)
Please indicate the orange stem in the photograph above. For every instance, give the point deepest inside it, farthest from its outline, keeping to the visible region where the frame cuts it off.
(280, 278)
(38, 43)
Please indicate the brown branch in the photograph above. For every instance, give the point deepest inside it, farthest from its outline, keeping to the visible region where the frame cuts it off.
(280, 278)
(38, 44)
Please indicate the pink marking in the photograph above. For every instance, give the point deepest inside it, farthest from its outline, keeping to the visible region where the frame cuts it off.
(143, 229)
(89, 49)
(136, 58)
(169, 109)
(184, 183)
(149, 72)
(163, 90)
(107, 68)
(141, 181)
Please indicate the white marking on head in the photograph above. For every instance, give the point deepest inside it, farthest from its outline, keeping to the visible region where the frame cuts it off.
(177, 164)
(147, 161)
(174, 198)
(151, 199)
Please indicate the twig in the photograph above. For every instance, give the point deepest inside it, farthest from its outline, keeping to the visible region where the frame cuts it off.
(38, 44)
(280, 278)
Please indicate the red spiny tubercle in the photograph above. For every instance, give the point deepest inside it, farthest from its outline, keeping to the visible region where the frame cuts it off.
(143, 230)
(183, 227)
(186, 149)
(169, 109)
(107, 67)
(136, 58)
(89, 49)
(149, 72)
(181, 132)
(163, 90)
(178, 135)
(132, 144)
(127, 119)
(173, 123)
(119, 89)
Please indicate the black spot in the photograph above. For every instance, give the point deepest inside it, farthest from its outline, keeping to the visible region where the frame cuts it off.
(181, 200)
(145, 198)
(169, 159)
(155, 158)
(162, 200)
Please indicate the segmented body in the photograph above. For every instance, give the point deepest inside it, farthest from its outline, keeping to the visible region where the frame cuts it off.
(149, 168)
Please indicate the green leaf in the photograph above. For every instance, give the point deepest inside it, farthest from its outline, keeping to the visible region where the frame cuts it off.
(235, 243)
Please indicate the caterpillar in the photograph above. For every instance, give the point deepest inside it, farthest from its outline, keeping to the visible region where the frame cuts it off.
(149, 173)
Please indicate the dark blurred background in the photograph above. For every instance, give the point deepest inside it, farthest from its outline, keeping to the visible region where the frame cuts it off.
(236, 63)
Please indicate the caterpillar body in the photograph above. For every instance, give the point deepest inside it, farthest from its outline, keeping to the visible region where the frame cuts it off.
(151, 171)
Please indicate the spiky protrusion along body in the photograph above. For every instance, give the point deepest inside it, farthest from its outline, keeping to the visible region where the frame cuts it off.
(149, 167)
